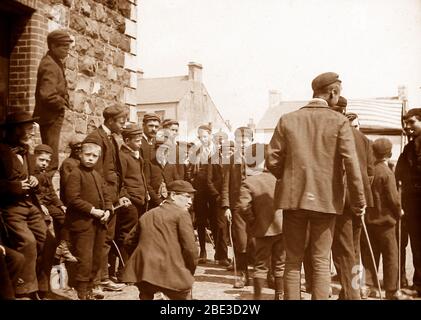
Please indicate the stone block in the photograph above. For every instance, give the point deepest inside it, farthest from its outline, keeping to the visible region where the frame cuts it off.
(115, 38)
(130, 62)
(120, 23)
(99, 52)
(85, 8)
(130, 96)
(124, 43)
(133, 12)
(102, 69)
(82, 46)
(88, 66)
(131, 28)
(98, 106)
(119, 59)
(71, 63)
(88, 108)
(92, 28)
(110, 3)
(96, 87)
(80, 124)
(111, 73)
(78, 104)
(100, 13)
(84, 84)
(71, 77)
(133, 46)
(124, 8)
(105, 33)
(77, 22)
(133, 80)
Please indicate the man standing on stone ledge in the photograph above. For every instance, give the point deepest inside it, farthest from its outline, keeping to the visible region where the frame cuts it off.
(51, 96)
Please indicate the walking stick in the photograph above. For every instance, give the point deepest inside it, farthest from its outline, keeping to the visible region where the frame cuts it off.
(399, 252)
(119, 253)
(233, 258)
(372, 255)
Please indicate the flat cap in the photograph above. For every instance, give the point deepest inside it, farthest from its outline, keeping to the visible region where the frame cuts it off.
(59, 36)
(151, 116)
(180, 186)
(114, 111)
(169, 122)
(18, 117)
(205, 127)
(342, 102)
(131, 130)
(43, 148)
(382, 147)
(75, 141)
(244, 131)
(324, 79)
(92, 139)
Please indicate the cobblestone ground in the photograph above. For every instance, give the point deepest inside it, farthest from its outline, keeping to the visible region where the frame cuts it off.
(213, 282)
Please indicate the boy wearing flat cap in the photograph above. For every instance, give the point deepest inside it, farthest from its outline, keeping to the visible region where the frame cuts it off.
(24, 221)
(109, 167)
(381, 221)
(88, 210)
(165, 258)
(51, 94)
(134, 184)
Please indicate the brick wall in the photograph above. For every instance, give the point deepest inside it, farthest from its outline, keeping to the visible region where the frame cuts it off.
(101, 66)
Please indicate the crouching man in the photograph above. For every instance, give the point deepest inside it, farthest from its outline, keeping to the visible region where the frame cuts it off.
(166, 256)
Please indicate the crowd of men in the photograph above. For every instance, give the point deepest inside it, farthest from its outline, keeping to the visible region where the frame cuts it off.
(131, 196)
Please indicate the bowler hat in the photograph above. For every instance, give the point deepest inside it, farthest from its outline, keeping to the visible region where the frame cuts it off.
(180, 186)
(114, 111)
(59, 36)
(43, 148)
(131, 130)
(151, 117)
(19, 117)
(324, 79)
(169, 122)
(382, 147)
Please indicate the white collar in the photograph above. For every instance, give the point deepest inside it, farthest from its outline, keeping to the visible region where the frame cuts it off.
(107, 131)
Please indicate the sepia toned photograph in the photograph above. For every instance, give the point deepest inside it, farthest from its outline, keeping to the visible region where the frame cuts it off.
(234, 150)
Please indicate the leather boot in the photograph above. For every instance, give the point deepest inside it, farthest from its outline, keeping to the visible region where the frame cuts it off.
(258, 285)
(279, 288)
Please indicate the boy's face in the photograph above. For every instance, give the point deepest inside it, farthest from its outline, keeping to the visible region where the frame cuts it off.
(183, 200)
(89, 156)
(42, 161)
(204, 137)
(134, 142)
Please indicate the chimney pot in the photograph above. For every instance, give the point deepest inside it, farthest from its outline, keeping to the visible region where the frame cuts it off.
(195, 71)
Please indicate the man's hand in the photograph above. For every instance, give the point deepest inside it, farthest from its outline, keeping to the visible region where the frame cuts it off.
(33, 182)
(105, 217)
(148, 196)
(45, 210)
(228, 214)
(124, 201)
(63, 208)
(359, 211)
(402, 213)
(97, 213)
(25, 185)
(2, 250)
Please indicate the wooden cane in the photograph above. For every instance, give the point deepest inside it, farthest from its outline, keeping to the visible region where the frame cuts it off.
(232, 243)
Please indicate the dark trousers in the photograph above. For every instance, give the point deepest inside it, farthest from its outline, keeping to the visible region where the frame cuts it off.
(413, 218)
(127, 218)
(404, 244)
(11, 266)
(87, 247)
(383, 242)
(321, 237)
(50, 135)
(58, 216)
(108, 254)
(221, 231)
(270, 255)
(344, 255)
(203, 216)
(46, 262)
(147, 291)
(27, 234)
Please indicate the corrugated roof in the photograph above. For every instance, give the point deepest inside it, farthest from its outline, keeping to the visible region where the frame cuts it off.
(162, 90)
(374, 113)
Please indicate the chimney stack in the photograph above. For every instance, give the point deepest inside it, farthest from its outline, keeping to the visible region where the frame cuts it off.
(274, 98)
(195, 71)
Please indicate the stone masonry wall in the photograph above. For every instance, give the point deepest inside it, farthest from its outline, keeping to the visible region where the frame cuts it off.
(101, 67)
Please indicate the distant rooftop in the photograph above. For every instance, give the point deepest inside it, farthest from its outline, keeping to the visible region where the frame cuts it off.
(162, 90)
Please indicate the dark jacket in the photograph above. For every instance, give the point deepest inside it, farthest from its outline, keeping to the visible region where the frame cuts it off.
(12, 172)
(134, 179)
(148, 150)
(255, 204)
(85, 189)
(166, 254)
(46, 194)
(156, 174)
(386, 198)
(233, 175)
(109, 163)
(65, 169)
(51, 96)
(308, 153)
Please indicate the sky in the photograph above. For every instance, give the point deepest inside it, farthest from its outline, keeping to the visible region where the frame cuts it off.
(248, 47)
